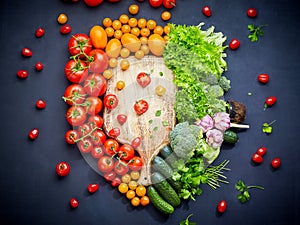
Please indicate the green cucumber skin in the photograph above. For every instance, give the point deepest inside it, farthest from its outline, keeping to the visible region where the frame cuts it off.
(165, 189)
(158, 202)
(168, 155)
(230, 137)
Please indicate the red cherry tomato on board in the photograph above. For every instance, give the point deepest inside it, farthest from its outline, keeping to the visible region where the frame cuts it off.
(263, 78)
(256, 158)
(62, 169)
(26, 52)
(114, 132)
(65, 29)
(136, 142)
(206, 11)
(110, 101)
(143, 79)
(39, 32)
(234, 44)
(155, 3)
(22, 74)
(169, 4)
(92, 188)
(222, 205)
(270, 101)
(261, 151)
(140, 107)
(74, 203)
(40, 104)
(275, 163)
(122, 119)
(251, 12)
(39, 66)
(33, 134)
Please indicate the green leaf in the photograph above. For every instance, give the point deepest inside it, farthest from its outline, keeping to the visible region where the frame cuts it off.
(165, 123)
(242, 198)
(240, 186)
(150, 121)
(187, 222)
(267, 127)
(158, 113)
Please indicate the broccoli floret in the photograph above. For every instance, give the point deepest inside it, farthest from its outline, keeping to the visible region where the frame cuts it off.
(224, 83)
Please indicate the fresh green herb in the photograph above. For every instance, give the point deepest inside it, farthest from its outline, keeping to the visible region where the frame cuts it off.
(187, 222)
(165, 123)
(267, 127)
(151, 71)
(155, 129)
(255, 32)
(158, 113)
(151, 136)
(161, 73)
(150, 121)
(244, 195)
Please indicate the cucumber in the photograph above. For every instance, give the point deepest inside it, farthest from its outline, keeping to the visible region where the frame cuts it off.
(230, 136)
(165, 189)
(168, 155)
(163, 167)
(158, 202)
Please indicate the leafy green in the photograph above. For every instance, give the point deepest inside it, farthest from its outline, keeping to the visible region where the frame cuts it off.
(158, 113)
(255, 32)
(187, 222)
(244, 195)
(267, 127)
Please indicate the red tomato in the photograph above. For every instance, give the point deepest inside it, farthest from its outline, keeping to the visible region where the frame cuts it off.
(140, 107)
(136, 163)
(126, 152)
(98, 137)
(33, 134)
(26, 52)
(22, 74)
(113, 1)
(263, 78)
(80, 45)
(110, 101)
(93, 3)
(143, 79)
(169, 4)
(74, 93)
(155, 3)
(76, 115)
(84, 129)
(97, 152)
(93, 105)
(251, 12)
(85, 145)
(95, 121)
(122, 119)
(111, 146)
(65, 29)
(74, 203)
(105, 164)
(62, 169)
(98, 61)
(256, 158)
(121, 168)
(109, 176)
(40, 104)
(276, 163)
(234, 44)
(222, 205)
(270, 101)
(95, 84)
(261, 151)
(115, 182)
(114, 132)
(135, 143)
(92, 188)
(39, 66)
(206, 11)
(71, 136)
(76, 71)
(39, 32)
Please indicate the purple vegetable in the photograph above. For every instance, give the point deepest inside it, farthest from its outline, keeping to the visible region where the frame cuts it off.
(214, 138)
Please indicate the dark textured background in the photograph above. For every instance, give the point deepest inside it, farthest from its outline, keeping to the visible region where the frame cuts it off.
(31, 193)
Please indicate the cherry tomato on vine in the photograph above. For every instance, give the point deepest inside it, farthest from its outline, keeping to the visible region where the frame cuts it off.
(40, 104)
(169, 4)
(95, 121)
(98, 61)
(98, 137)
(121, 118)
(26, 52)
(270, 101)
(136, 163)
(234, 44)
(263, 78)
(62, 169)
(155, 3)
(105, 164)
(95, 85)
(111, 146)
(206, 11)
(39, 32)
(114, 132)
(256, 158)
(140, 107)
(39, 66)
(121, 168)
(251, 12)
(33, 134)
(84, 129)
(76, 70)
(261, 151)
(222, 205)
(93, 3)
(97, 152)
(275, 163)
(126, 152)
(65, 29)
(85, 145)
(22, 74)
(111, 101)
(74, 93)
(76, 115)
(74, 203)
(80, 44)
(92, 188)
(93, 105)
(71, 136)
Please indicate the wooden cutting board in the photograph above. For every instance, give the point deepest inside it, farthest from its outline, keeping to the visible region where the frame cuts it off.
(152, 127)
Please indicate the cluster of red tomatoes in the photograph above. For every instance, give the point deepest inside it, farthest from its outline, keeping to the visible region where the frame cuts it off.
(86, 98)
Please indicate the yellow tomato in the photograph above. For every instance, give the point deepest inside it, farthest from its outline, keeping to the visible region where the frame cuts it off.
(167, 29)
(135, 201)
(132, 22)
(145, 32)
(160, 90)
(144, 40)
(145, 200)
(118, 34)
(142, 23)
(139, 54)
(124, 53)
(116, 24)
(107, 22)
(145, 49)
(158, 30)
(131, 42)
(62, 18)
(98, 36)
(107, 74)
(133, 9)
(124, 64)
(135, 31)
(126, 28)
(113, 48)
(132, 185)
(140, 191)
(151, 24)
(166, 38)
(135, 175)
(130, 194)
(126, 178)
(166, 15)
(113, 62)
(109, 31)
(124, 19)
(120, 84)
(156, 44)
(123, 188)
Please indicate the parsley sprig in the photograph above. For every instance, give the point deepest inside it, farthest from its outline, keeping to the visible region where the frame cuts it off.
(187, 222)
(244, 195)
(267, 127)
(255, 32)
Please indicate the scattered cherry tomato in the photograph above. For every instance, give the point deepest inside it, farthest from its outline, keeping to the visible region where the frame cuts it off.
(263, 78)
(39, 32)
(206, 11)
(111, 146)
(40, 104)
(251, 12)
(155, 3)
(261, 151)
(71, 136)
(136, 163)
(141, 106)
(222, 205)
(109, 176)
(33, 134)
(74, 203)
(115, 182)
(135, 143)
(92, 188)
(169, 4)
(234, 44)
(39, 66)
(62, 169)
(143, 79)
(276, 163)
(22, 74)
(256, 158)
(65, 29)
(85, 145)
(105, 164)
(122, 118)
(93, 3)
(26, 52)
(110, 101)
(114, 132)
(97, 152)
(270, 101)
